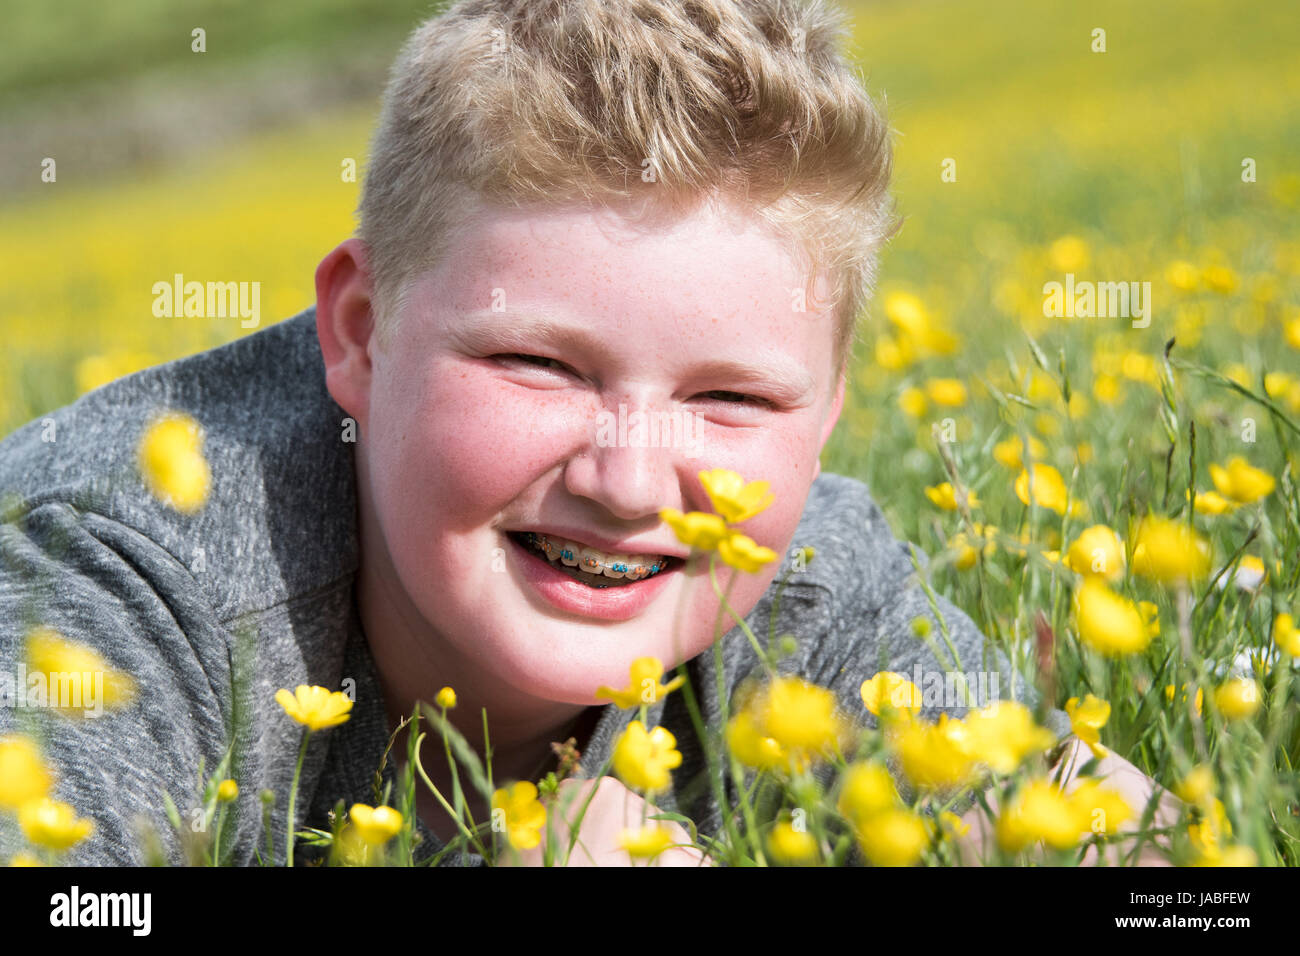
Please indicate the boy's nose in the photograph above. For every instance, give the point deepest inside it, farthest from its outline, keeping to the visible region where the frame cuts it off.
(625, 470)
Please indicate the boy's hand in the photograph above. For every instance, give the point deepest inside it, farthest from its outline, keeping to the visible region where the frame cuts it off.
(613, 809)
(1116, 774)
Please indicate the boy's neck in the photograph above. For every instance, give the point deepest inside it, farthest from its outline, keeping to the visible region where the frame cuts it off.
(507, 765)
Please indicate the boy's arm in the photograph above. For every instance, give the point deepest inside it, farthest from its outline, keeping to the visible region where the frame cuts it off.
(1114, 773)
(101, 584)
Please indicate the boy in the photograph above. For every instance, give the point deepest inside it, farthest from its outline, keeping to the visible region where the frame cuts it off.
(575, 213)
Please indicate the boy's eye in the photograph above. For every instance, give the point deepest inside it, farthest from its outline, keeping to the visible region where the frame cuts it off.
(739, 398)
(721, 395)
(538, 361)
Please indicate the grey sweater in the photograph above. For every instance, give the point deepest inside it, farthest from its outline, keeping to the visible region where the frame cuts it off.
(85, 549)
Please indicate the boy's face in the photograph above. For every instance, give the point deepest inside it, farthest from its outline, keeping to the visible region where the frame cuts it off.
(465, 442)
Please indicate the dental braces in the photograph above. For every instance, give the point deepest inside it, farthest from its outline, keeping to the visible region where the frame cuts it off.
(586, 562)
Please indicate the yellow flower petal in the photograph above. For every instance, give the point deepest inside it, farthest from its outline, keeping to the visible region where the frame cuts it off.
(316, 708)
(51, 824)
(733, 498)
(23, 775)
(171, 462)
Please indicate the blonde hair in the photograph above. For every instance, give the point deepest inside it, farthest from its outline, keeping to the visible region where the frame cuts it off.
(667, 102)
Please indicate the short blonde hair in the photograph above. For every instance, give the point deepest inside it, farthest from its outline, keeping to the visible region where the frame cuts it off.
(664, 102)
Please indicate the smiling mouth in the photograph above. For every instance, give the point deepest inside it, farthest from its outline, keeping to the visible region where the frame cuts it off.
(594, 568)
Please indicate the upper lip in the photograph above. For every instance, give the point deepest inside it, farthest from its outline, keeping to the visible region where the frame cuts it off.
(607, 545)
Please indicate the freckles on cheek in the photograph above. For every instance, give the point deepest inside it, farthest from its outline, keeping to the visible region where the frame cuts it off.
(783, 458)
(486, 441)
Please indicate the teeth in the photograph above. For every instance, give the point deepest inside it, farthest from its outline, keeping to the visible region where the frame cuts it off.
(633, 567)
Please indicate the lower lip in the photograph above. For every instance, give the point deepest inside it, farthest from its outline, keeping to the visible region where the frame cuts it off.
(618, 603)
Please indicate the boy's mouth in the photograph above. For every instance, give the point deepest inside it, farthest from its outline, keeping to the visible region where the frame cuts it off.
(591, 566)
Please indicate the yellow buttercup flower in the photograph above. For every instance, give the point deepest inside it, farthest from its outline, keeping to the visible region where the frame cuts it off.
(1099, 552)
(867, 789)
(1106, 389)
(1182, 275)
(1049, 489)
(1291, 331)
(23, 775)
(893, 354)
(1211, 503)
(1099, 808)
(1240, 481)
(1068, 254)
(1003, 734)
(1212, 826)
(907, 312)
(944, 497)
(1087, 719)
(1197, 788)
(446, 698)
(646, 842)
(1239, 374)
(1010, 453)
(315, 707)
(935, 756)
(170, 459)
(744, 554)
(644, 686)
(966, 547)
(80, 667)
(643, 759)
(1140, 367)
(227, 791)
(1169, 551)
(751, 746)
(25, 860)
(696, 529)
(375, 825)
(733, 498)
(1219, 279)
(790, 846)
(893, 838)
(52, 824)
(893, 691)
(912, 402)
(1278, 384)
(351, 850)
(519, 814)
(1039, 812)
(1237, 699)
(1286, 635)
(1108, 623)
(799, 716)
(947, 392)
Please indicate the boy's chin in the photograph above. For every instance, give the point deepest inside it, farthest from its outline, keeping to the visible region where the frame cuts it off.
(574, 676)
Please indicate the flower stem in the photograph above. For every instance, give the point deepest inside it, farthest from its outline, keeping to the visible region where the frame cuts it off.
(740, 621)
(293, 797)
(419, 768)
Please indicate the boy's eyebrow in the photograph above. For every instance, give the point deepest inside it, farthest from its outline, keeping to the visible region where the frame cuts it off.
(520, 330)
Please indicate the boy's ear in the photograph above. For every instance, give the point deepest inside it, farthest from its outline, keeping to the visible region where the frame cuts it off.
(344, 326)
(832, 416)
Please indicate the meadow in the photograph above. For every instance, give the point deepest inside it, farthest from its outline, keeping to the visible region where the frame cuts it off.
(1113, 499)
